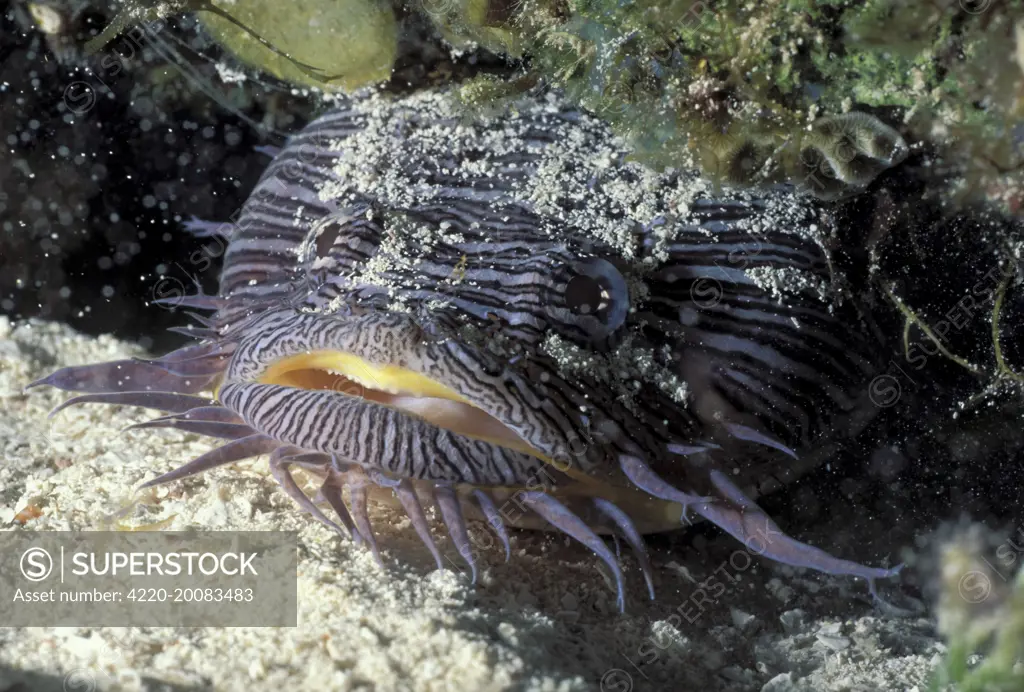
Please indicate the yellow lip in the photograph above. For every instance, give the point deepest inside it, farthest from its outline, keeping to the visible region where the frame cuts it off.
(418, 395)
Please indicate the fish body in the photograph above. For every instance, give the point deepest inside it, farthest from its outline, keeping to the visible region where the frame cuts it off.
(502, 315)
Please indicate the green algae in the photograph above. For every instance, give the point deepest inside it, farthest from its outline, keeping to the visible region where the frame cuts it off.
(328, 44)
(781, 90)
(734, 87)
(981, 615)
(349, 43)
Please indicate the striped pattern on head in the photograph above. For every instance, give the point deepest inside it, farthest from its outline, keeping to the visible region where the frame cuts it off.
(624, 299)
(475, 310)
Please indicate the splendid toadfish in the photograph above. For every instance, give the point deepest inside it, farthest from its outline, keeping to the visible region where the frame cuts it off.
(503, 317)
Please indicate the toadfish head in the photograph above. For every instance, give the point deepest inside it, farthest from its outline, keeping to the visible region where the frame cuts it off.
(505, 319)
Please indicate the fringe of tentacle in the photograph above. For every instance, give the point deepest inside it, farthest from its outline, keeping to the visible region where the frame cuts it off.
(173, 383)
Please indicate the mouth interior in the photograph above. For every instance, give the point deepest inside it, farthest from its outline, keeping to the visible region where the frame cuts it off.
(398, 388)
(441, 406)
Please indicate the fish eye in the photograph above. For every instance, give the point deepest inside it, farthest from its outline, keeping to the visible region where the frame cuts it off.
(594, 301)
(584, 295)
(600, 287)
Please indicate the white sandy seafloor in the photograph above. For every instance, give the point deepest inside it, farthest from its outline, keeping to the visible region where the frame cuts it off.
(543, 621)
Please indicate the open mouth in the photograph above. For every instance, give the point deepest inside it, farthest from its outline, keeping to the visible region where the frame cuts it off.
(441, 406)
(399, 388)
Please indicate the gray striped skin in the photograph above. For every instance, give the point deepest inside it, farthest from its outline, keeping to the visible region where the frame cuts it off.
(379, 437)
(395, 339)
(638, 345)
(780, 348)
